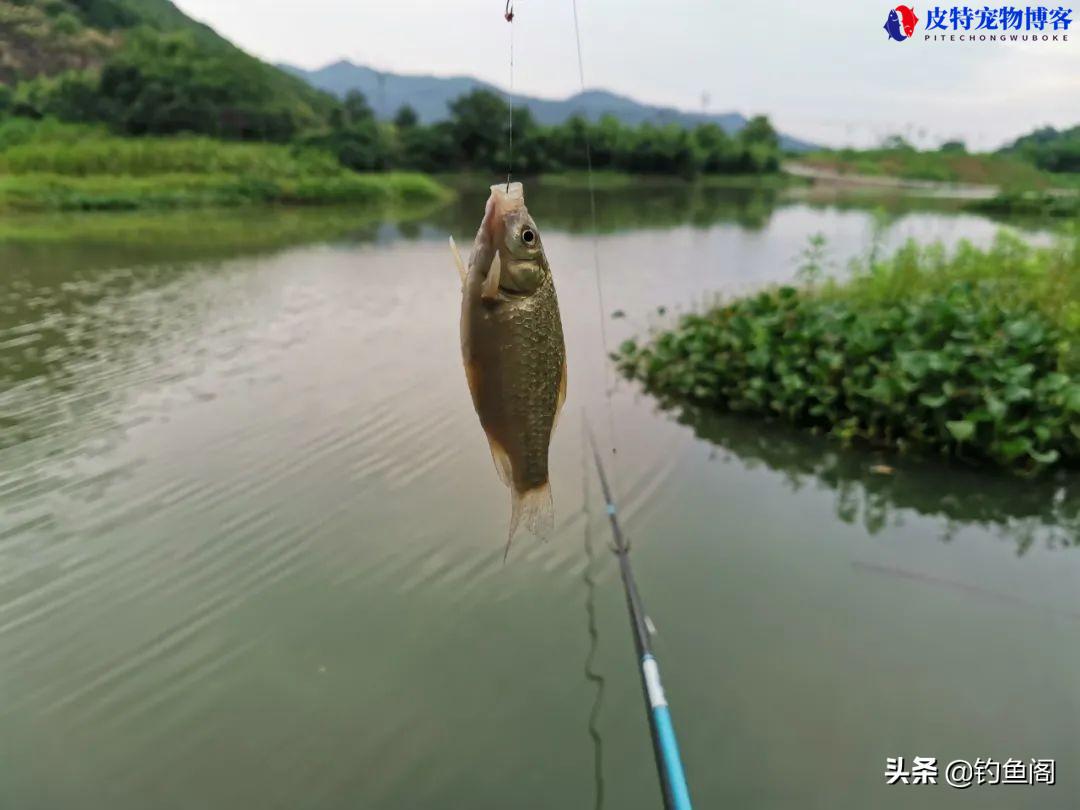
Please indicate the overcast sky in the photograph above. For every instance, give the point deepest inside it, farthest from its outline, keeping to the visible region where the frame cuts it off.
(822, 71)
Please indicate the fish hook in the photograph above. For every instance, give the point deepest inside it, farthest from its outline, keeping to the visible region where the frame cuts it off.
(508, 12)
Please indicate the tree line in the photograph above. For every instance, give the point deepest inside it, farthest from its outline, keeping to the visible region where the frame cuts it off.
(476, 137)
(1050, 149)
(164, 83)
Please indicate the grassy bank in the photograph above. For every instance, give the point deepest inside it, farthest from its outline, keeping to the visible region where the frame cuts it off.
(51, 167)
(973, 354)
(1003, 171)
(50, 192)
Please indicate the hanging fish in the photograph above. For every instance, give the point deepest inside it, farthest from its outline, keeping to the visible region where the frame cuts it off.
(512, 346)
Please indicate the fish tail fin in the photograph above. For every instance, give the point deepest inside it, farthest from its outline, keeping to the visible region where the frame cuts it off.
(536, 508)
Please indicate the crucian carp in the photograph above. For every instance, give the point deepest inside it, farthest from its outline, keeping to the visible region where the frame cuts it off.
(514, 354)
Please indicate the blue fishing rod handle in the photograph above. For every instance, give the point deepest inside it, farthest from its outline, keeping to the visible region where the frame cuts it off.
(665, 734)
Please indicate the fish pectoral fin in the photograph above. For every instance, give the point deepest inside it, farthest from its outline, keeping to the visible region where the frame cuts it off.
(502, 461)
(490, 288)
(457, 260)
(536, 508)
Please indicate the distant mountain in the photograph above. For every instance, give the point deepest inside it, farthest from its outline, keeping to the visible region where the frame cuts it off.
(429, 96)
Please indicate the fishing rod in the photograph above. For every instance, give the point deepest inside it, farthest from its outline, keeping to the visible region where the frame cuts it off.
(665, 747)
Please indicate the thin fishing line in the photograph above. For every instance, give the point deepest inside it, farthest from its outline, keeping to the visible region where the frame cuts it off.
(592, 675)
(508, 14)
(608, 384)
(669, 766)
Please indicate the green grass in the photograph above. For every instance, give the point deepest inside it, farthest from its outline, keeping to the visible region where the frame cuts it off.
(47, 166)
(1003, 171)
(51, 192)
(1046, 279)
(972, 355)
(141, 157)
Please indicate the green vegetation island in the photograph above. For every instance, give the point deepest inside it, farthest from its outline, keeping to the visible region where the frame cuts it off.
(973, 354)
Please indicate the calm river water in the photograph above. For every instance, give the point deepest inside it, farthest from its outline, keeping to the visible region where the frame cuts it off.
(251, 539)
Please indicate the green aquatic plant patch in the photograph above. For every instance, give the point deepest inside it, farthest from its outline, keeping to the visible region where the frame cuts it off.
(957, 364)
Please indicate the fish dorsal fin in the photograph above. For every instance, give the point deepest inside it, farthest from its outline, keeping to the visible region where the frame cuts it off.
(490, 289)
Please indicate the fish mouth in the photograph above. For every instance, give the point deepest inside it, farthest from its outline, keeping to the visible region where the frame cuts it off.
(511, 195)
(505, 199)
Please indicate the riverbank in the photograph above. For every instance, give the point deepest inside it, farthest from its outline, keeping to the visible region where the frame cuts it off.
(972, 355)
(49, 166)
(1044, 202)
(941, 166)
(55, 192)
(45, 166)
(164, 174)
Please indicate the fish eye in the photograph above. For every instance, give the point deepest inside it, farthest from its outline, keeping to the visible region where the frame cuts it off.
(528, 236)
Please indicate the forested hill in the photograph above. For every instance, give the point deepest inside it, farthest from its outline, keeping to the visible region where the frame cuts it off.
(144, 67)
(431, 97)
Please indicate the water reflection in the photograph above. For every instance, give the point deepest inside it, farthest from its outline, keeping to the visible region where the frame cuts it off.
(591, 674)
(88, 241)
(70, 242)
(1044, 511)
(651, 207)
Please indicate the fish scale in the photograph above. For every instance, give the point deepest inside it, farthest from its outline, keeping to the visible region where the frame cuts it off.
(531, 386)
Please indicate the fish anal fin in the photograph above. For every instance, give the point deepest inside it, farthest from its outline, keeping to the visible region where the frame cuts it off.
(502, 461)
(490, 287)
(457, 260)
(535, 508)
